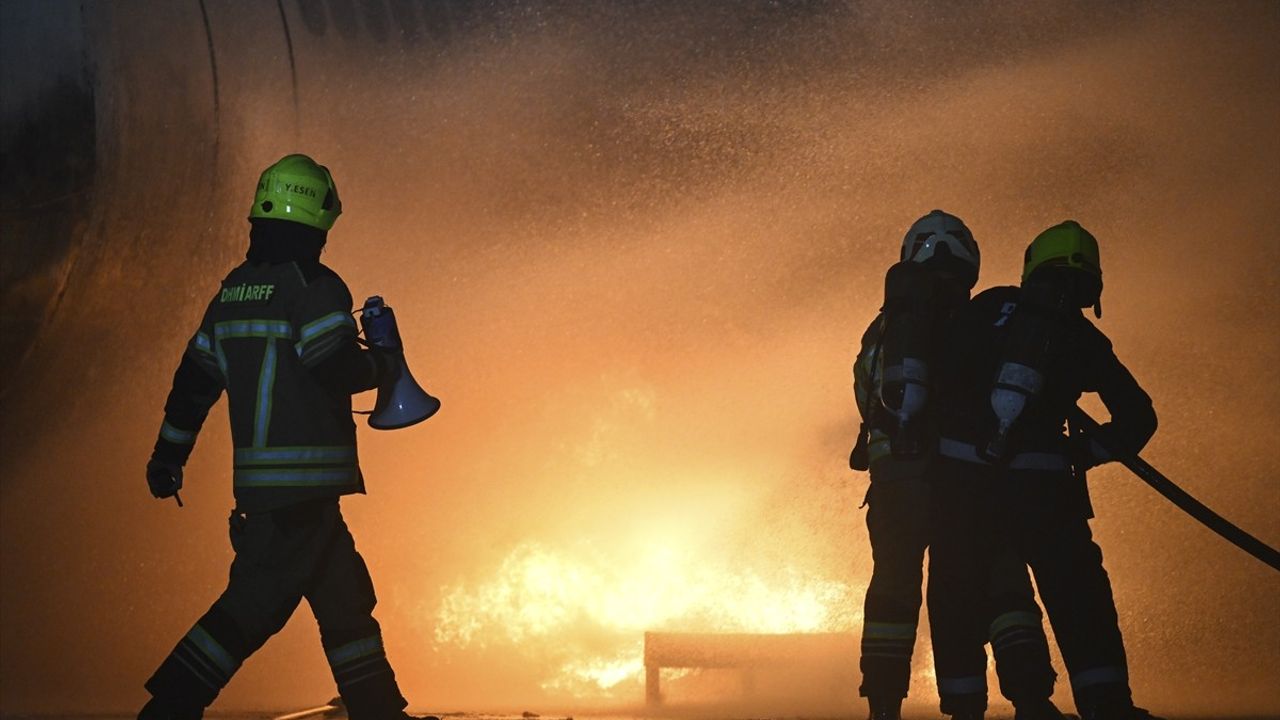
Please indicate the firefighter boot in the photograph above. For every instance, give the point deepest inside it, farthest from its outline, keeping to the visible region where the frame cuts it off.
(885, 708)
(402, 715)
(1042, 709)
(159, 708)
(1116, 711)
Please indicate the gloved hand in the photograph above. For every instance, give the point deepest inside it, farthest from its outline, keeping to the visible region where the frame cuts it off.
(860, 458)
(389, 361)
(164, 479)
(1087, 453)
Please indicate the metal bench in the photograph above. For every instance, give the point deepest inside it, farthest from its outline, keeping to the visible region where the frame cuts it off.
(748, 652)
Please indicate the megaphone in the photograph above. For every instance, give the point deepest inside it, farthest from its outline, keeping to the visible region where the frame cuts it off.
(401, 400)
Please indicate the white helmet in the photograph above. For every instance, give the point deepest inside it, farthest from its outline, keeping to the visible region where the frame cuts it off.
(939, 229)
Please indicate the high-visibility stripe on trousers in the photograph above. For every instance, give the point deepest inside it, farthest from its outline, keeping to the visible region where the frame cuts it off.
(1022, 655)
(359, 661)
(897, 523)
(203, 661)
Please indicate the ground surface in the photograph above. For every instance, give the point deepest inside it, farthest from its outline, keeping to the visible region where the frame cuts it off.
(481, 716)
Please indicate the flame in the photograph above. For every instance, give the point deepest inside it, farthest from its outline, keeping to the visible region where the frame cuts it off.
(710, 554)
(582, 611)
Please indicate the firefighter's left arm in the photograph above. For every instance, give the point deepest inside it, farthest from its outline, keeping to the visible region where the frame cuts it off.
(350, 370)
(322, 316)
(865, 393)
(327, 344)
(1133, 417)
(865, 370)
(195, 390)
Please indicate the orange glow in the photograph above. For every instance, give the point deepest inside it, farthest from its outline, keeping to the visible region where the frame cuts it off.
(539, 601)
(632, 247)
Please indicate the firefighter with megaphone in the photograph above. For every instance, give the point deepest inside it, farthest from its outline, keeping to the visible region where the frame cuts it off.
(1020, 358)
(280, 339)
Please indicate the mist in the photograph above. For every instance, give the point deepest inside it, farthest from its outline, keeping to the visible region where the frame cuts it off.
(632, 248)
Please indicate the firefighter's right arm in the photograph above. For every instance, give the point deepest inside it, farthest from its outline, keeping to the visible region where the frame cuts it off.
(1133, 417)
(195, 389)
(197, 385)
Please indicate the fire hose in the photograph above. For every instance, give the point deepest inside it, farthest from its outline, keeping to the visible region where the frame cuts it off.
(1185, 502)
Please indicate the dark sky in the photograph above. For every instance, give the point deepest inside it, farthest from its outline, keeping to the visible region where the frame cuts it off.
(632, 247)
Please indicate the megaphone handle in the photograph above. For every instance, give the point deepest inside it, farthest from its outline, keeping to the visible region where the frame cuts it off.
(177, 497)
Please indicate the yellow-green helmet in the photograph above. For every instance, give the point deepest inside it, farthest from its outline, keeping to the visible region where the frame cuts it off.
(1066, 244)
(1070, 248)
(297, 189)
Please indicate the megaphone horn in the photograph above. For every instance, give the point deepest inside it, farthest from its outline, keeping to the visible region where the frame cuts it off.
(401, 400)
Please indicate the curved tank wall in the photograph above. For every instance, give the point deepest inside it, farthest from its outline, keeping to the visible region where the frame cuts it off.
(633, 246)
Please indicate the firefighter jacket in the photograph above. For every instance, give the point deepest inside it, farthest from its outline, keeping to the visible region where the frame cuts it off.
(1078, 358)
(270, 338)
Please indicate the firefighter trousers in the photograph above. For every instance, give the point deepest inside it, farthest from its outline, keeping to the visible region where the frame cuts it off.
(898, 528)
(1045, 518)
(909, 512)
(979, 592)
(281, 557)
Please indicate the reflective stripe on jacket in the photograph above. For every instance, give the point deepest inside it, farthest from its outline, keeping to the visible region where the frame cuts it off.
(294, 438)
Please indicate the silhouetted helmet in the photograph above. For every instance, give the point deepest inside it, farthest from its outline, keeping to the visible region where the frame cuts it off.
(942, 238)
(1069, 249)
(297, 189)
